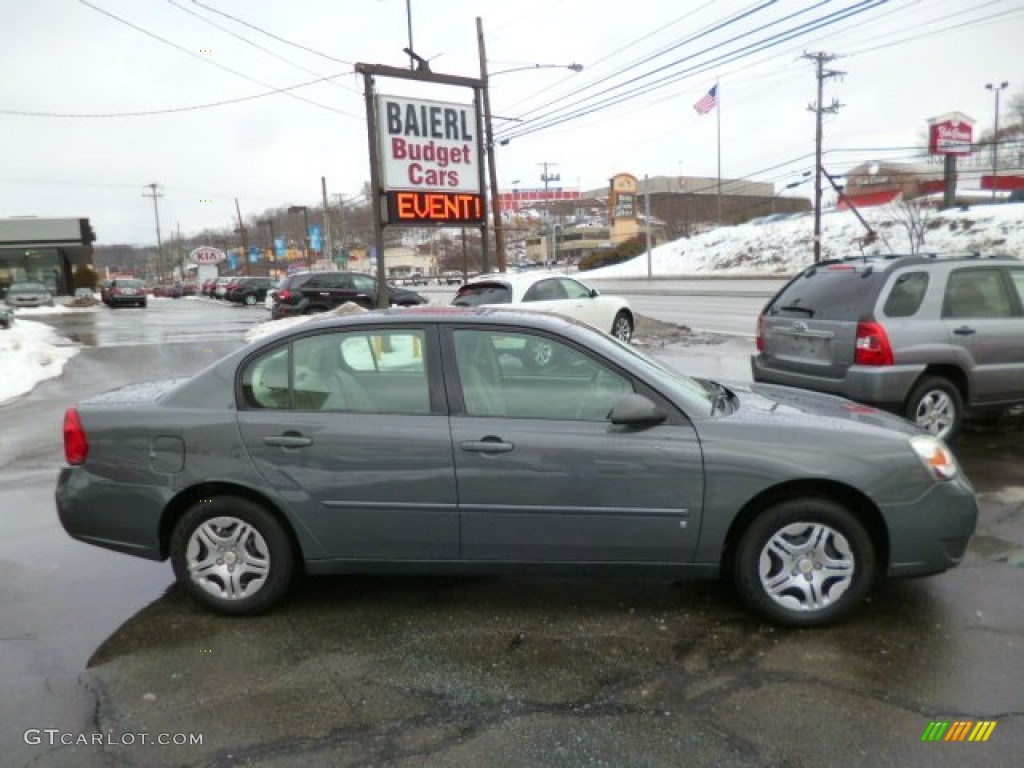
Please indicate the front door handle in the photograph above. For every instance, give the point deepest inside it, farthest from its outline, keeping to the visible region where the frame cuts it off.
(289, 440)
(964, 330)
(487, 445)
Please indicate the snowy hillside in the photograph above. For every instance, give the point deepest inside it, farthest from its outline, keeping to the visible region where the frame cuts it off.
(785, 246)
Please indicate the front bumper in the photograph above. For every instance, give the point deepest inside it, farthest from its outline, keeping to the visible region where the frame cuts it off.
(930, 534)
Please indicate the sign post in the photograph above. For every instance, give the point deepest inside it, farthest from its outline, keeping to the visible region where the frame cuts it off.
(426, 164)
(950, 135)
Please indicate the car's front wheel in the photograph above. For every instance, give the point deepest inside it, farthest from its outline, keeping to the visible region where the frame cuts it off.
(232, 555)
(936, 406)
(804, 562)
(622, 327)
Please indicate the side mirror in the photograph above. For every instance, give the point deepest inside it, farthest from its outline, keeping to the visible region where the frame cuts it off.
(594, 293)
(637, 411)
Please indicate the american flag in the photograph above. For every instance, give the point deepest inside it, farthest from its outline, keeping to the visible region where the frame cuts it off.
(708, 101)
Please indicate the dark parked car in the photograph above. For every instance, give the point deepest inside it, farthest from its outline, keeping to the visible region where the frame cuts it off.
(29, 294)
(248, 290)
(931, 338)
(308, 292)
(124, 291)
(406, 441)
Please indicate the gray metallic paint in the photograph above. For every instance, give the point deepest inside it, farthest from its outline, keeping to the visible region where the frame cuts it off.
(416, 503)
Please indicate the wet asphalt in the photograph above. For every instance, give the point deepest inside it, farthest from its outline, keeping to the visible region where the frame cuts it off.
(373, 671)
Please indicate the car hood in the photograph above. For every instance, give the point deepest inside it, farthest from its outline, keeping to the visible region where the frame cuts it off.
(763, 402)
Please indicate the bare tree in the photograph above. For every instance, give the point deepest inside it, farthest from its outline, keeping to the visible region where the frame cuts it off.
(913, 216)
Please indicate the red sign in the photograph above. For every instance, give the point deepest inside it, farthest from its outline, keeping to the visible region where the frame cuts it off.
(416, 208)
(950, 137)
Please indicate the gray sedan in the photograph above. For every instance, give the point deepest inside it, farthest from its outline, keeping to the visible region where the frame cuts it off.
(415, 441)
(29, 295)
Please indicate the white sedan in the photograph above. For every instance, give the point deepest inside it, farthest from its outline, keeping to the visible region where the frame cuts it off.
(547, 292)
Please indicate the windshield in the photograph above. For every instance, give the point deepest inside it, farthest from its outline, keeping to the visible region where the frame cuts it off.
(28, 287)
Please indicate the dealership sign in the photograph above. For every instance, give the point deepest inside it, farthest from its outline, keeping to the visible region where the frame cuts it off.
(206, 254)
(950, 134)
(430, 164)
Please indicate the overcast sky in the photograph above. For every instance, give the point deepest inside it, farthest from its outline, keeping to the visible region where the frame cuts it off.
(904, 61)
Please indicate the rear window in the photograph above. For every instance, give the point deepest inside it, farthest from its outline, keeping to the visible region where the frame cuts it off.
(475, 294)
(836, 292)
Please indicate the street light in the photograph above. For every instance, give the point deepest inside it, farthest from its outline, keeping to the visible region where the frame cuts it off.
(995, 136)
(305, 234)
(492, 168)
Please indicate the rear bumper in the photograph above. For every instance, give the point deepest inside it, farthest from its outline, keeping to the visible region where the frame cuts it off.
(109, 515)
(883, 385)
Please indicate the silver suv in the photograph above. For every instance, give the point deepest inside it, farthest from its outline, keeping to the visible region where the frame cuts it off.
(929, 337)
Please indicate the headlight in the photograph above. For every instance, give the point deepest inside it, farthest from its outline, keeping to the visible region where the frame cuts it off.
(937, 458)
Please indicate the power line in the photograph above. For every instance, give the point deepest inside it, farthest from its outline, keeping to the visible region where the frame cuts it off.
(172, 110)
(257, 46)
(556, 117)
(205, 60)
(280, 39)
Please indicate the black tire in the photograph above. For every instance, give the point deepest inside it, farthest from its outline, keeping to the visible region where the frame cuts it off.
(782, 563)
(250, 538)
(622, 327)
(936, 406)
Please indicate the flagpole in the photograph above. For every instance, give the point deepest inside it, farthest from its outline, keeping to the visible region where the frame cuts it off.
(718, 122)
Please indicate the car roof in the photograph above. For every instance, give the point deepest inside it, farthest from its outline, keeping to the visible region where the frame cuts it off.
(520, 281)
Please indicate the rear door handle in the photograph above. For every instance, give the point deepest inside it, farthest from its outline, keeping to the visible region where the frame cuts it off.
(964, 330)
(288, 441)
(487, 445)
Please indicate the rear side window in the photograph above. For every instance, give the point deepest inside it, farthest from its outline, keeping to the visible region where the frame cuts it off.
(475, 294)
(906, 295)
(829, 293)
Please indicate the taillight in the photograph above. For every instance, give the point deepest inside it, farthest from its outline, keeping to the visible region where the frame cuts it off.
(76, 446)
(283, 295)
(760, 332)
(872, 345)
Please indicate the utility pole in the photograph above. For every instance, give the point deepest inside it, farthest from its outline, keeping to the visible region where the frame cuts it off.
(492, 164)
(156, 213)
(546, 177)
(821, 58)
(245, 240)
(328, 252)
(996, 88)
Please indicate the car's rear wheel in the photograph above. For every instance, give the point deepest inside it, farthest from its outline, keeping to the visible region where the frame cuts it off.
(622, 327)
(936, 406)
(804, 562)
(232, 555)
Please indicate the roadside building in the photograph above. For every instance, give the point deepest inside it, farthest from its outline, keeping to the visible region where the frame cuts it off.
(44, 250)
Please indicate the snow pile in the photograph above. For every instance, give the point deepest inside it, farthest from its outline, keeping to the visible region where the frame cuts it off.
(29, 353)
(784, 246)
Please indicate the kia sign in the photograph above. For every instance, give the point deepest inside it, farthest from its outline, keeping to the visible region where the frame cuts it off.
(430, 153)
(206, 254)
(950, 134)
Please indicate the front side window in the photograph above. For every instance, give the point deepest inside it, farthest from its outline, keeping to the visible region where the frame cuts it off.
(501, 377)
(545, 290)
(574, 289)
(976, 293)
(1017, 278)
